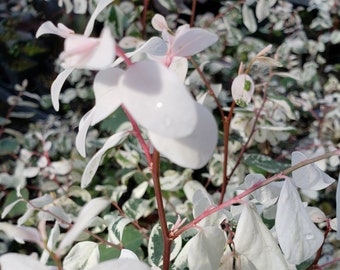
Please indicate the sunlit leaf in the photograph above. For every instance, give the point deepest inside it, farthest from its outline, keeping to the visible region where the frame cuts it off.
(94, 163)
(206, 249)
(156, 98)
(194, 150)
(83, 255)
(12, 261)
(254, 240)
(249, 18)
(309, 176)
(298, 237)
(88, 212)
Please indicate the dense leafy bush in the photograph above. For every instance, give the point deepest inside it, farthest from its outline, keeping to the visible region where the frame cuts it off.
(203, 138)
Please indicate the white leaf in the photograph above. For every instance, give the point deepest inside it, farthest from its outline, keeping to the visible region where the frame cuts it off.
(87, 213)
(206, 249)
(9, 207)
(40, 201)
(309, 176)
(61, 167)
(159, 23)
(82, 256)
(99, 8)
(80, 7)
(254, 240)
(83, 127)
(158, 100)
(57, 85)
(194, 150)
(107, 93)
(21, 233)
(249, 18)
(17, 261)
(202, 201)
(262, 10)
(51, 242)
(315, 214)
(122, 264)
(298, 237)
(266, 195)
(90, 53)
(192, 41)
(128, 254)
(94, 163)
(190, 189)
(49, 28)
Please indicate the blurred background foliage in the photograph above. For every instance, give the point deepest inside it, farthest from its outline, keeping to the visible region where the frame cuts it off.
(302, 110)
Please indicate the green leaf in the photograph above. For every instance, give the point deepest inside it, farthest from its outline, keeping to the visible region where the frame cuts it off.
(132, 239)
(112, 123)
(8, 146)
(107, 253)
(264, 163)
(4, 121)
(19, 208)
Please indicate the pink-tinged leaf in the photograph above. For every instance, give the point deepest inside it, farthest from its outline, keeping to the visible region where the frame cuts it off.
(158, 100)
(84, 125)
(159, 23)
(194, 150)
(180, 66)
(90, 53)
(49, 28)
(206, 249)
(254, 240)
(192, 41)
(21, 233)
(107, 93)
(94, 163)
(17, 261)
(316, 214)
(57, 85)
(122, 264)
(101, 5)
(338, 208)
(298, 237)
(87, 213)
(309, 176)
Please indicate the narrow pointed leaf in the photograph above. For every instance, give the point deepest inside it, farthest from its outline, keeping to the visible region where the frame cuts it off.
(94, 163)
(88, 212)
(49, 28)
(57, 85)
(101, 5)
(84, 125)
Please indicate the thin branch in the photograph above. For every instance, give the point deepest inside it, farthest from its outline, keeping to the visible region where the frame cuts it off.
(256, 186)
(161, 213)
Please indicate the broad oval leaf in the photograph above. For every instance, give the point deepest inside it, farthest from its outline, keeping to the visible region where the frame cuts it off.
(206, 249)
(194, 150)
(12, 261)
(122, 264)
(158, 100)
(249, 18)
(298, 237)
(254, 240)
(83, 255)
(309, 176)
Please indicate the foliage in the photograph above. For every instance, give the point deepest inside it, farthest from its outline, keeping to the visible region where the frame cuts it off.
(188, 140)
